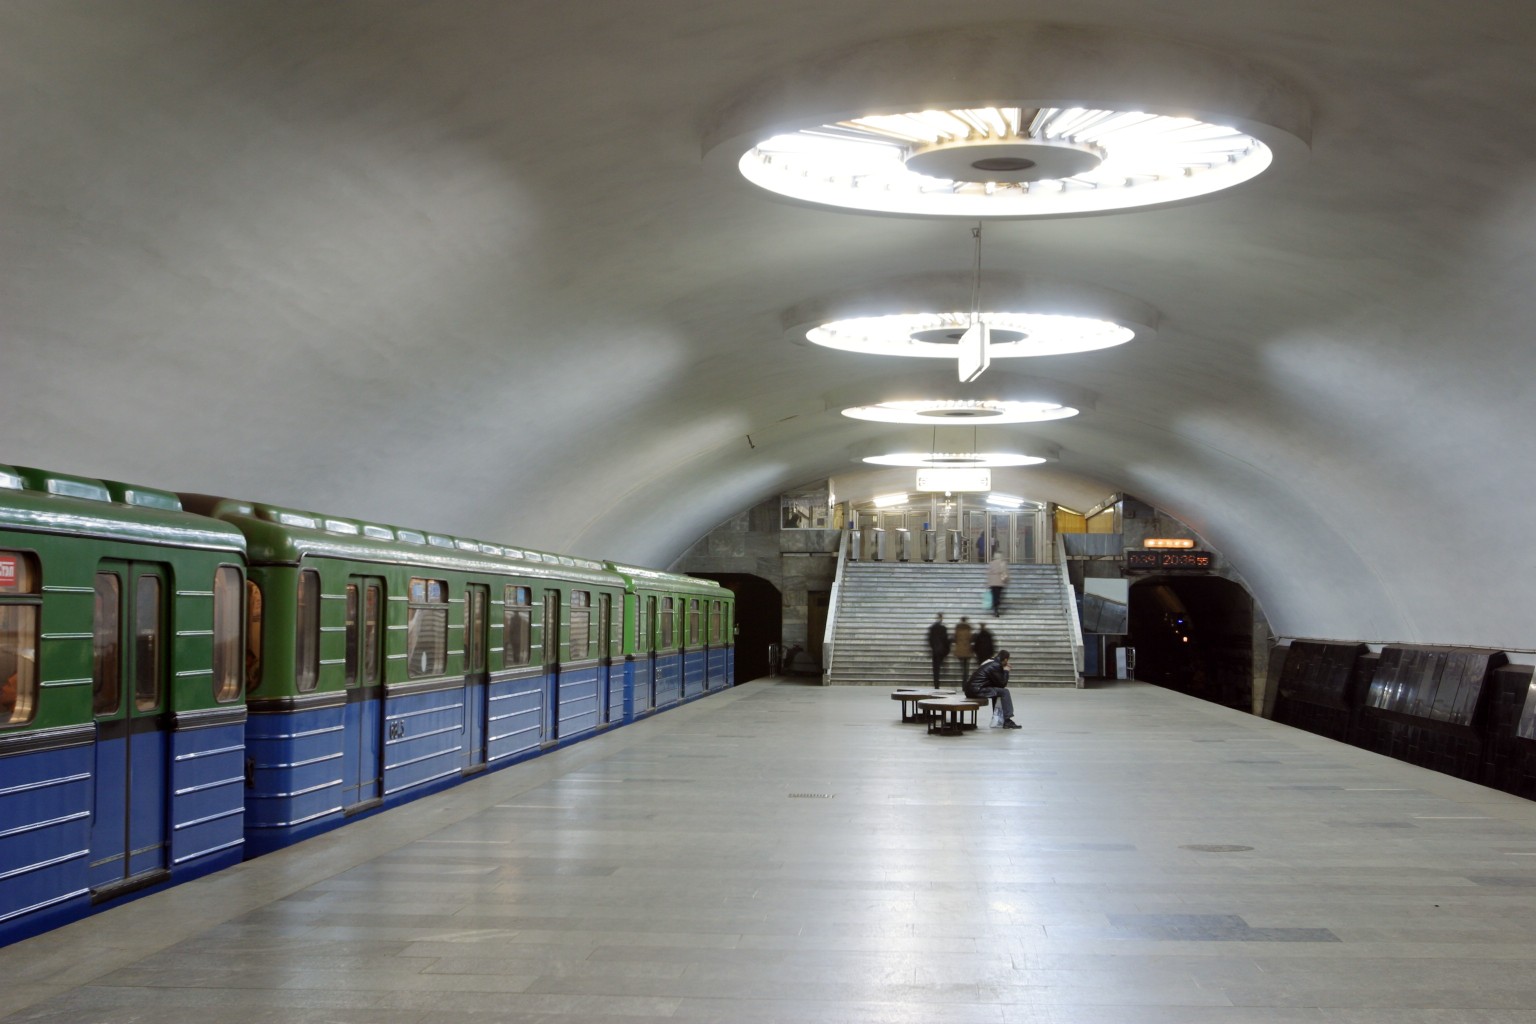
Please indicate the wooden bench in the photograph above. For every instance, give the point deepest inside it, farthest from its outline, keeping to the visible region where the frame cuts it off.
(909, 696)
(949, 716)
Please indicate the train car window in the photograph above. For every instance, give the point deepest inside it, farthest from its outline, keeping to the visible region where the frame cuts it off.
(106, 657)
(665, 642)
(18, 637)
(605, 625)
(714, 622)
(519, 632)
(354, 632)
(252, 636)
(306, 645)
(693, 622)
(549, 629)
(226, 634)
(426, 633)
(373, 629)
(364, 600)
(476, 597)
(147, 643)
(581, 624)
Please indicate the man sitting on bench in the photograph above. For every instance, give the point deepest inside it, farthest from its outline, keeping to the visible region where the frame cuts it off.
(990, 682)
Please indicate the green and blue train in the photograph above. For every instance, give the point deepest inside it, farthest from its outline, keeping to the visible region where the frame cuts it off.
(187, 681)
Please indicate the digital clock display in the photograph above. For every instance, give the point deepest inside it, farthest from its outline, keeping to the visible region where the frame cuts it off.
(1169, 560)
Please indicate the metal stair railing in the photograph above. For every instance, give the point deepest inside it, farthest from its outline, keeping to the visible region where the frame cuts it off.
(1070, 610)
(828, 643)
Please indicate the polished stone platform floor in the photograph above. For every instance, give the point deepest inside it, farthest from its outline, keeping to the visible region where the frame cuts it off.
(788, 853)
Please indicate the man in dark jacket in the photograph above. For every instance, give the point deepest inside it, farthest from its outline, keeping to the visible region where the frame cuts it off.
(938, 646)
(983, 644)
(991, 680)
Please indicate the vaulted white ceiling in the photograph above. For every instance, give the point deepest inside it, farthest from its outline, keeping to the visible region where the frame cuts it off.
(465, 266)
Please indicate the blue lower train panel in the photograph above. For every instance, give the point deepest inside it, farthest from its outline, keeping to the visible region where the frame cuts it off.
(719, 668)
(668, 679)
(45, 808)
(423, 741)
(695, 669)
(207, 798)
(514, 721)
(620, 685)
(578, 702)
(294, 768)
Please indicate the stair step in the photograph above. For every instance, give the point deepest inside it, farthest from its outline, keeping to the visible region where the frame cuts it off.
(885, 609)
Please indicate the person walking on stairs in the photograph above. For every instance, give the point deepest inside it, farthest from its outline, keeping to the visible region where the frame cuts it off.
(983, 644)
(938, 646)
(962, 648)
(997, 579)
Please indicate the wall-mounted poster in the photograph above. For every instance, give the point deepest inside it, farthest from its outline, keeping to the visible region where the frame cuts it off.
(804, 510)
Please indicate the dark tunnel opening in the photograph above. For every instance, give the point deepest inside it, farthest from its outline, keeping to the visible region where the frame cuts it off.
(1195, 635)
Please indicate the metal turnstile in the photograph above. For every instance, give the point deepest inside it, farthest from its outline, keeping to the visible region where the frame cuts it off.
(855, 542)
(903, 544)
(877, 545)
(954, 547)
(930, 545)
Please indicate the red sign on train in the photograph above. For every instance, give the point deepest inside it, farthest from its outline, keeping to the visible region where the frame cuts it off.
(7, 572)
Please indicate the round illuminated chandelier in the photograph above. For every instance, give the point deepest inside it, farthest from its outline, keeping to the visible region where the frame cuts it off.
(1005, 161)
(983, 411)
(937, 335)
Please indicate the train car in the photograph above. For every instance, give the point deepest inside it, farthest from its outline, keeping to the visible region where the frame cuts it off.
(384, 663)
(122, 714)
(678, 640)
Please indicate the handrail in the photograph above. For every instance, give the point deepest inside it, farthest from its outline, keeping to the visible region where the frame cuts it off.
(827, 645)
(1070, 603)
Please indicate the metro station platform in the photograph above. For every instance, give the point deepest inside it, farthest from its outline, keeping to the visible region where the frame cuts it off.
(791, 853)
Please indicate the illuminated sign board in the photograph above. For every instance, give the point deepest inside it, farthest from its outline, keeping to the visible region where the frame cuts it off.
(975, 355)
(954, 480)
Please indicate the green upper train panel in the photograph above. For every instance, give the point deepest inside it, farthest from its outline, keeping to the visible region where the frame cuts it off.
(40, 502)
(640, 578)
(283, 536)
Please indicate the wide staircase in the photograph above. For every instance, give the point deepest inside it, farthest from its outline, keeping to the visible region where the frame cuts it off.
(884, 610)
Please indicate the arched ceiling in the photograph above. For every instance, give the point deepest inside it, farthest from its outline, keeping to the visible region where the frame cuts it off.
(464, 266)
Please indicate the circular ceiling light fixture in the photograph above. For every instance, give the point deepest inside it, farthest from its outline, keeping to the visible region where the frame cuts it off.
(977, 411)
(1002, 121)
(954, 460)
(1005, 161)
(937, 335)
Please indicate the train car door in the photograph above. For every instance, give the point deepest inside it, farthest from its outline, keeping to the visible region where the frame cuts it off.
(551, 654)
(605, 674)
(477, 604)
(364, 755)
(129, 824)
(649, 653)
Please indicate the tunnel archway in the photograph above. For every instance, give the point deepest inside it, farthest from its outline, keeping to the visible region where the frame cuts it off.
(1194, 634)
(759, 620)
